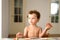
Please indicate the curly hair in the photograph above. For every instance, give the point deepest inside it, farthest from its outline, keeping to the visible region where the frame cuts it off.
(35, 12)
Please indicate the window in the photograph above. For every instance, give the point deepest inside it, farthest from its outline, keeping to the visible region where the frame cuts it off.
(18, 10)
(55, 11)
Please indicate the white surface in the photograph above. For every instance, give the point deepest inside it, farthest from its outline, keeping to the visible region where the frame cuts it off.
(57, 38)
(0, 18)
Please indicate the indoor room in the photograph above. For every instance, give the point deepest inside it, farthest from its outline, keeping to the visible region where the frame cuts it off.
(14, 16)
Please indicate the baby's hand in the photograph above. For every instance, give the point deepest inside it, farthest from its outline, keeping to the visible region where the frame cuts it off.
(19, 35)
(48, 26)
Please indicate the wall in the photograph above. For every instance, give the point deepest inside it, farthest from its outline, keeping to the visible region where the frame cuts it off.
(0, 18)
(5, 18)
(56, 26)
(15, 27)
(43, 6)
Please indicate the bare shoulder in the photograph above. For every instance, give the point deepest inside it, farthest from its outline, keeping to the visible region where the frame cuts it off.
(39, 28)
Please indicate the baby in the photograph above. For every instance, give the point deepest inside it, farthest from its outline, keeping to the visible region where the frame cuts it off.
(33, 31)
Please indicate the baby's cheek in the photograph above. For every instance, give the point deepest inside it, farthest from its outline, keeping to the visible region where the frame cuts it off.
(33, 21)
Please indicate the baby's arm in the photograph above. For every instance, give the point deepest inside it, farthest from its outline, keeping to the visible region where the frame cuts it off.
(20, 35)
(26, 32)
(48, 26)
(42, 33)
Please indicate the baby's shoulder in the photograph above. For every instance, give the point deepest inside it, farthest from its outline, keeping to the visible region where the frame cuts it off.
(39, 28)
(26, 27)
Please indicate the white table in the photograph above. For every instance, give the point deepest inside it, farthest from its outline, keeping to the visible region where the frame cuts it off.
(51, 38)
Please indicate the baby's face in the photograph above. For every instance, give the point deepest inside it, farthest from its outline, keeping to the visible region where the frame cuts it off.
(32, 19)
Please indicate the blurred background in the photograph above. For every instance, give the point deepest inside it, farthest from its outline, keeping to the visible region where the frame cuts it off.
(14, 15)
